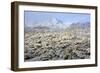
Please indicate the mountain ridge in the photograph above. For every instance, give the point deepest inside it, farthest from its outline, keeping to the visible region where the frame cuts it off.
(56, 25)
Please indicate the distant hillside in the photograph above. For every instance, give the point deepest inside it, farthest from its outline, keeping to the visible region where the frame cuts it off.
(55, 25)
(79, 25)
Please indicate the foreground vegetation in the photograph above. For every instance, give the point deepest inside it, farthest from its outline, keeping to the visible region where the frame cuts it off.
(64, 45)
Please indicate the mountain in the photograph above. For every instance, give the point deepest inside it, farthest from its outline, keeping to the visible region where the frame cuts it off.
(54, 24)
(79, 25)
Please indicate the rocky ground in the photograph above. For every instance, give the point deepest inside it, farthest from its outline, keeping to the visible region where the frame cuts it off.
(63, 45)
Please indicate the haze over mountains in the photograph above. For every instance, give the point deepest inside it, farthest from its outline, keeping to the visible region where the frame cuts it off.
(55, 24)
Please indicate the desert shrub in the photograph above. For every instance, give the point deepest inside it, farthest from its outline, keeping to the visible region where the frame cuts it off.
(57, 46)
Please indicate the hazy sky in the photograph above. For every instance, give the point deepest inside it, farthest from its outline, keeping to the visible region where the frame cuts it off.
(32, 17)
